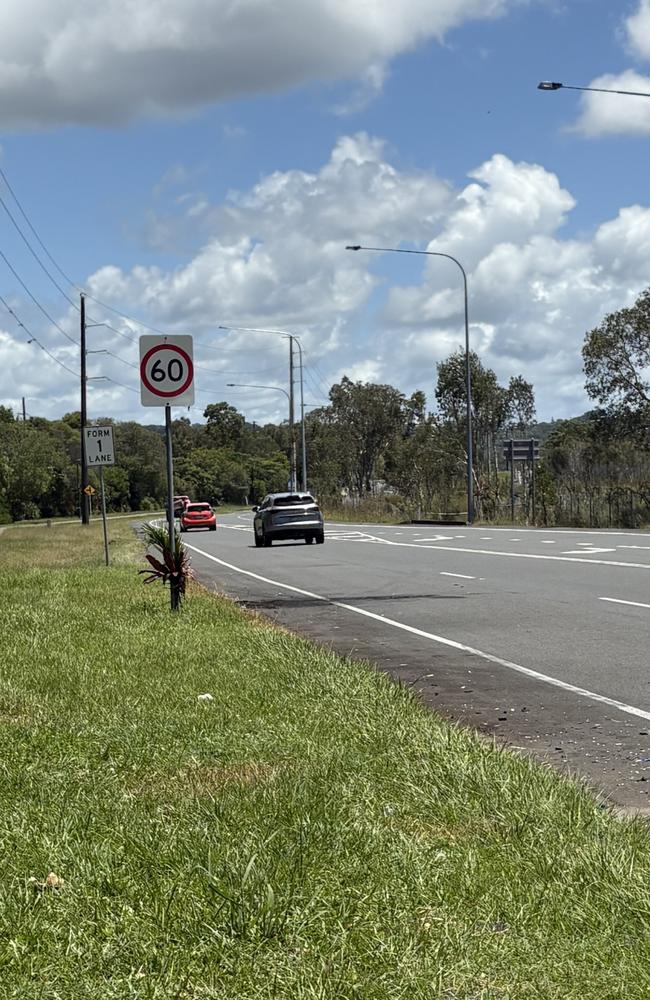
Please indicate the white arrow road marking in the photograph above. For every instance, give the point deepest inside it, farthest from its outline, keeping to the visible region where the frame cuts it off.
(534, 674)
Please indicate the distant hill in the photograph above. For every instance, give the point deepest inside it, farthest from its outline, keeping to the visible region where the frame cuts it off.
(543, 430)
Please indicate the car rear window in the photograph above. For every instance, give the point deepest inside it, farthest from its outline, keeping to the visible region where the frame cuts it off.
(198, 508)
(293, 498)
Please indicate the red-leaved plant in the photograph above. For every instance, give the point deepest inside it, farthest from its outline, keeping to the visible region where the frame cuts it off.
(172, 566)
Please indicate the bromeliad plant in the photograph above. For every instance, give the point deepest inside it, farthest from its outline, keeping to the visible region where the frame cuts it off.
(172, 566)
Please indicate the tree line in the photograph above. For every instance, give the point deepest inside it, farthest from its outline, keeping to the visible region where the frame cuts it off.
(374, 447)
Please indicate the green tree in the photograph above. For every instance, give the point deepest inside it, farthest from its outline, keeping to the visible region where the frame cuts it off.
(495, 410)
(616, 358)
(141, 452)
(367, 418)
(225, 425)
(29, 463)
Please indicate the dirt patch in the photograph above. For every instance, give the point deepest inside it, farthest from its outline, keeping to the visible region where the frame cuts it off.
(199, 780)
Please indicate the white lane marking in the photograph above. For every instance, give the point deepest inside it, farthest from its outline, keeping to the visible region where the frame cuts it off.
(616, 600)
(584, 532)
(461, 576)
(360, 536)
(633, 546)
(548, 541)
(485, 538)
(535, 674)
(508, 555)
(586, 552)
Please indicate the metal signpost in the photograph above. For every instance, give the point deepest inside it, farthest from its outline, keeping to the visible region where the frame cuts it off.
(524, 450)
(166, 379)
(99, 451)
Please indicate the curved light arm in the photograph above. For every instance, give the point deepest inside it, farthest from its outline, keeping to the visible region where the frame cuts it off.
(250, 385)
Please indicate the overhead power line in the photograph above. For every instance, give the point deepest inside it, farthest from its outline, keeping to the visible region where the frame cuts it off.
(35, 300)
(104, 305)
(37, 237)
(36, 256)
(35, 340)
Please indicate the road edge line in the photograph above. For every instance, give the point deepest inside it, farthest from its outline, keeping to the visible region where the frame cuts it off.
(442, 640)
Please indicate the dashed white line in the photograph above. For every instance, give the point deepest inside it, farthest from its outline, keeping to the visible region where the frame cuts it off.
(616, 600)
(534, 674)
(461, 576)
(586, 552)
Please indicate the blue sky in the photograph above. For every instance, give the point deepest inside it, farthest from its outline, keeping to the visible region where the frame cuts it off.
(206, 163)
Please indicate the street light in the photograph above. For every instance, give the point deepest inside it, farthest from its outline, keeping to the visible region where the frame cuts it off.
(468, 372)
(277, 388)
(291, 337)
(554, 85)
(249, 385)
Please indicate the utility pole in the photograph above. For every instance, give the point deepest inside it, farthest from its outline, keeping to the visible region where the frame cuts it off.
(24, 412)
(303, 442)
(85, 500)
(292, 439)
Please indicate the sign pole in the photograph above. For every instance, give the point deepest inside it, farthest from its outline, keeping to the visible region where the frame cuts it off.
(166, 379)
(101, 480)
(532, 480)
(512, 480)
(170, 493)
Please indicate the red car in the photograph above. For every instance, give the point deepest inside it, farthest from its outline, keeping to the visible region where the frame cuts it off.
(198, 515)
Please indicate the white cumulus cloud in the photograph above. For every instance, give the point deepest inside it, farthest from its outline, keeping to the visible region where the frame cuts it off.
(637, 26)
(273, 257)
(616, 114)
(107, 61)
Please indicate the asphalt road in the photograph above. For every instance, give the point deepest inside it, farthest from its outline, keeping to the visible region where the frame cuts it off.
(540, 637)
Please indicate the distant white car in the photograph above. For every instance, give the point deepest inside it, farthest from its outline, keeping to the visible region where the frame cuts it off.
(282, 516)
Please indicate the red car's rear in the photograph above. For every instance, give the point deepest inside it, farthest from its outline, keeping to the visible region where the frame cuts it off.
(198, 515)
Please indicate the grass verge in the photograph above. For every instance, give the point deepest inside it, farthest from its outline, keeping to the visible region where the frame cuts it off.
(309, 831)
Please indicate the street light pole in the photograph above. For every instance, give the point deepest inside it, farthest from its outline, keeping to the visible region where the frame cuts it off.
(292, 436)
(276, 388)
(83, 416)
(554, 85)
(468, 370)
(292, 339)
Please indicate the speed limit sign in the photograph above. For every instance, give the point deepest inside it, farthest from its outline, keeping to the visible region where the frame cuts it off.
(166, 371)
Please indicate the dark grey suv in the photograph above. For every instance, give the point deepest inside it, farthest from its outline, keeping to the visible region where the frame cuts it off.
(288, 515)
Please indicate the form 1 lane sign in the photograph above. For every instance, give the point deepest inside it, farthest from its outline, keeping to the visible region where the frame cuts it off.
(166, 371)
(99, 446)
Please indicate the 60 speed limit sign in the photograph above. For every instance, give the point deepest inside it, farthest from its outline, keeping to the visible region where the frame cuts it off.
(166, 371)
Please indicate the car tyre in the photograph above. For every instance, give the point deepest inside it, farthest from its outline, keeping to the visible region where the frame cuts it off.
(309, 539)
(320, 537)
(266, 542)
(213, 527)
(259, 541)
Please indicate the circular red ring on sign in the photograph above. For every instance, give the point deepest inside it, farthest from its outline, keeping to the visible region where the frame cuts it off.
(159, 392)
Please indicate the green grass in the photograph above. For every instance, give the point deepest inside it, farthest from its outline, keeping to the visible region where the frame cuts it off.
(311, 832)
